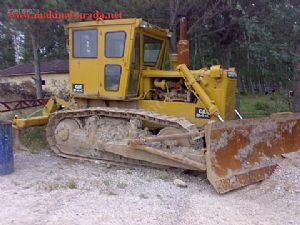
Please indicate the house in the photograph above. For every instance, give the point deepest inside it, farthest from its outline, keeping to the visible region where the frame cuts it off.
(55, 74)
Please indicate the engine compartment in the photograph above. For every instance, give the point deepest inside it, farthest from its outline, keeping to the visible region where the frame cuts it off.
(172, 89)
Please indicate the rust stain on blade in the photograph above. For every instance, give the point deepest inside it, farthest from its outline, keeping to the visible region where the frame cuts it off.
(246, 151)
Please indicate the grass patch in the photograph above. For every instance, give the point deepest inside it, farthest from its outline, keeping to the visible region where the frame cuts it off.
(34, 138)
(262, 105)
(71, 184)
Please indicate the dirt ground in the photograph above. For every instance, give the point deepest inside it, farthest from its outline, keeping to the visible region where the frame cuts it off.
(47, 189)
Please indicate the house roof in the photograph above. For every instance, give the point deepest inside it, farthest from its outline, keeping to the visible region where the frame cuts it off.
(52, 66)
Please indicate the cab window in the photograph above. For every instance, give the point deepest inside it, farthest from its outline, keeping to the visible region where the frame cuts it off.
(112, 75)
(152, 49)
(134, 68)
(114, 44)
(85, 44)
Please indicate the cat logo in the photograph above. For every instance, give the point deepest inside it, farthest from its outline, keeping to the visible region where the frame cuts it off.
(78, 88)
(201, 113)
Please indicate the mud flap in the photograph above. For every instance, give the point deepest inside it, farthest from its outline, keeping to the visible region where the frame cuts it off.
(246, 151)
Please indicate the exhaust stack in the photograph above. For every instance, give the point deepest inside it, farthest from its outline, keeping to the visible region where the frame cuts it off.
(183, 44)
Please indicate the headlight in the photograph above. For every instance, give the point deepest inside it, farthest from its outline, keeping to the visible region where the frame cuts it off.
(231, 74)
(144, 24)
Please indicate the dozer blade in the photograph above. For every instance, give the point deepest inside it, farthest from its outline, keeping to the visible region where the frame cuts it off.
(246, 151)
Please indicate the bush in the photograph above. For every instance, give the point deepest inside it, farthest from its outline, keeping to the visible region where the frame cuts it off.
(34, 138)
(263, 106)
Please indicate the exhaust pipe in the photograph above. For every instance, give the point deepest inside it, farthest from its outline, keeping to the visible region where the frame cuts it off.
(183, 44)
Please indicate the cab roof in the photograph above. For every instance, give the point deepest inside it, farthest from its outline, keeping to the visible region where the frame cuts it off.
(136, 22)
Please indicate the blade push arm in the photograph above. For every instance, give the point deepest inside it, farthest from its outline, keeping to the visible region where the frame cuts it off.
(53, 104)
(201, 94)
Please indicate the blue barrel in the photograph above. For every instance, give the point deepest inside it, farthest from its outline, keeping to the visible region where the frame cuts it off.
(6, 148)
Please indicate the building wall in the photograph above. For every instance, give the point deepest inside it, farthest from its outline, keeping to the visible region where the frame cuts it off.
(53, 82)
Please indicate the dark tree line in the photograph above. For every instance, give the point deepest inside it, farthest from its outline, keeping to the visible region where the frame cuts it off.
(261, 38)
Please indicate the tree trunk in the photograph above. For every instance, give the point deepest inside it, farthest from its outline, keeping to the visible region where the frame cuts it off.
(195, 53)
(260, 88)
(238, 94)
(263, 85)
(252, 87)
(227, 38)
(243, 86)
(37, 70)
(248, 89)
(173, 42)
(296, 84)
(227, 55)
(173, 5)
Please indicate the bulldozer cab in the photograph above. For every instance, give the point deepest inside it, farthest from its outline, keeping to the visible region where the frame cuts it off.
(106, 57)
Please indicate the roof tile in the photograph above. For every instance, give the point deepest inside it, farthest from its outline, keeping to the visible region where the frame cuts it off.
(52, 66)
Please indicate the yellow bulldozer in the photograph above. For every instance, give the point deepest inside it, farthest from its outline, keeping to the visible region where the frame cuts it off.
(128, 108)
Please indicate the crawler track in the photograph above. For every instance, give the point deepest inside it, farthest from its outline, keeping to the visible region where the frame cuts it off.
(77, 134)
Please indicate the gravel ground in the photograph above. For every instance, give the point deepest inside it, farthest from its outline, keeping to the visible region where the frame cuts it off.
(46, 189)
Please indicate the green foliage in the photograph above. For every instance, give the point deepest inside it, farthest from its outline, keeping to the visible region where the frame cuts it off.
(264, 52)
(263, 105)
(71, 184)
(34, 138)
(7, 53)
(26, 55)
